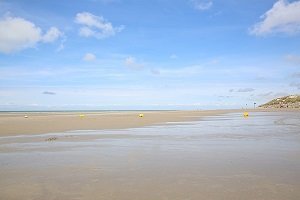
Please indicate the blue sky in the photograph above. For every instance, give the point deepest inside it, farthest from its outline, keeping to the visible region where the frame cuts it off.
(138, 54)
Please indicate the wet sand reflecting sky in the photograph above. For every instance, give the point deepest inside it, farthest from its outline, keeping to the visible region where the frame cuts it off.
(221, 157)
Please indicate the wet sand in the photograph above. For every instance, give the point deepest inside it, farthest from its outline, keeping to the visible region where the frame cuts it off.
(215, 157)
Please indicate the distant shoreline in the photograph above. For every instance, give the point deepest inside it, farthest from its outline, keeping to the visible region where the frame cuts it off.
(93, 111)
(15, 123)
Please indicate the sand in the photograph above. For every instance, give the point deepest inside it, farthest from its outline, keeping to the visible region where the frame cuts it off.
(217, 157)
(52, 122)
(38, 123)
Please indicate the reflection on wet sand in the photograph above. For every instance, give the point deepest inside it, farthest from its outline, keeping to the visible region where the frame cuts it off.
(221, 157)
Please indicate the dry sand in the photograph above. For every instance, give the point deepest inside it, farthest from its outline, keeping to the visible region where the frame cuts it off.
(50, 122)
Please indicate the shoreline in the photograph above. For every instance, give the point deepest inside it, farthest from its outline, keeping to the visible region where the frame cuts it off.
(14, 123)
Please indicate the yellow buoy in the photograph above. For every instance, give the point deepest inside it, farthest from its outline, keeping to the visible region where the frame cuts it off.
(141, 115)
(246, 114)
(81, 116)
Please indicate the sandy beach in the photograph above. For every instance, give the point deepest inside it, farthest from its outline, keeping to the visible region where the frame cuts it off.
(51, 122)
(209, 155)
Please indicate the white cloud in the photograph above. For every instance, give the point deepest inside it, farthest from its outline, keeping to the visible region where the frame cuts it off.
(283, 17)
(17, 34)
(52, 34)
(132, 63)
(89, 57)
(202, 4)
(95, 26)
(86, 32)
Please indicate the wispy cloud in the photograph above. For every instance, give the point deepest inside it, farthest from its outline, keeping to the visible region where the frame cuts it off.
(294, 59)
(49, 93)
(242, 90)
(245, 90)
(62, 44)
(202, 4)
(89, 57)
(18, 33)
(283, 17)
(95, 26)
(132, 63)
(155, 71)
(225, 96)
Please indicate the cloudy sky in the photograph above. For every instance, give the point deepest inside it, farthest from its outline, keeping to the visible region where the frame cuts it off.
(141, 54)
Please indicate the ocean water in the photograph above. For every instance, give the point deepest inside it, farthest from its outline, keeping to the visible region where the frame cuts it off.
(219, 157)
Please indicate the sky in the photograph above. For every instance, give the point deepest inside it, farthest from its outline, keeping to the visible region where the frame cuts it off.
(141, 54)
